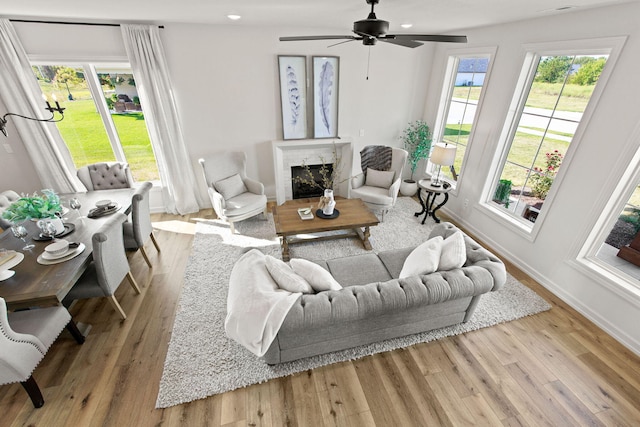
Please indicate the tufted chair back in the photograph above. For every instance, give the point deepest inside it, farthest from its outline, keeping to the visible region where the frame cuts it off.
(106, 176)
(137, 231)
(6, 198)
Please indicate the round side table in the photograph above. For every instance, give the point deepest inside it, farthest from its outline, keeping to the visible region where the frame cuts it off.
(428, 204)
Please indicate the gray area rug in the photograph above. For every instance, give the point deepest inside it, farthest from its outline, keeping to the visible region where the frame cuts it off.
(201, 361)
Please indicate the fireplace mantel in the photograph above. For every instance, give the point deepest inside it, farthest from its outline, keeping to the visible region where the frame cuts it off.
(310, 151)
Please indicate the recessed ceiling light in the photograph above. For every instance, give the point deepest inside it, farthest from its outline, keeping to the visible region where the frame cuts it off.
(406, 25)
(234, 17)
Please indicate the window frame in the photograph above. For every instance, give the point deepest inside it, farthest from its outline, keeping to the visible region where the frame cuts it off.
(453, 56)
(610, 46)
(89, 65)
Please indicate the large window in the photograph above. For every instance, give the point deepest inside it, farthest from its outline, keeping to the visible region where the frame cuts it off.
(550, 103)
(465, 78)
(104, 120)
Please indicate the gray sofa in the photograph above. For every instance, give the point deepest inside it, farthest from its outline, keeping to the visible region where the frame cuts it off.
(375, 305)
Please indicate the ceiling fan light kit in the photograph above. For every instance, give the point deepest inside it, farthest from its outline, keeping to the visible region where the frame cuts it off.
(372, 30)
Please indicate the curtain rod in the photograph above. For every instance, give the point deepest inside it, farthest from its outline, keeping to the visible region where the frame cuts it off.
(69, 23)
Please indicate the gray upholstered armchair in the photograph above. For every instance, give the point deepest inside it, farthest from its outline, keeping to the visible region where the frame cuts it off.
(25, 338)
(234, 196)
(379, 188)
(106, 176)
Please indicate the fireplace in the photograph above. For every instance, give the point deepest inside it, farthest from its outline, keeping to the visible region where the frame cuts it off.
(303, 190)
(287, 154)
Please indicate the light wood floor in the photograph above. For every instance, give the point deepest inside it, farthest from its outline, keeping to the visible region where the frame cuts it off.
(555, 368)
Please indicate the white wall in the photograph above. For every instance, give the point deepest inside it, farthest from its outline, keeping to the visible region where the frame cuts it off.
(594, 170)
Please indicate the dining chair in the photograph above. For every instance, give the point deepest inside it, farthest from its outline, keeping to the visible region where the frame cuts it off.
(25, 338)
(7, 197)
(106, 176)
(109, 267)
(138, 231)
(234, 196)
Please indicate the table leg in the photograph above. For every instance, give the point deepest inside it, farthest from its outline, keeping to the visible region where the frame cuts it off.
(285, 249)
(422, 203)
(433, 212)
(75, 332)
(428, 204)
(365, 239)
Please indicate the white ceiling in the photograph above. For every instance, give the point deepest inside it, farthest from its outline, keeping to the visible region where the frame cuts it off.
(335, 16)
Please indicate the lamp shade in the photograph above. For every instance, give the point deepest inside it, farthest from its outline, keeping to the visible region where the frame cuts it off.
(443, 154)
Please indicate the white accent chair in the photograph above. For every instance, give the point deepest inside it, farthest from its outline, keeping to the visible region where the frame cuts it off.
(380, 198)
(6, 198)
(25, 337)
(108, 269)
(106, 176)
(138, 231)
(234, 196)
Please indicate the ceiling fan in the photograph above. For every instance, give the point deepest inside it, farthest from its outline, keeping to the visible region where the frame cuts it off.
(372, 30)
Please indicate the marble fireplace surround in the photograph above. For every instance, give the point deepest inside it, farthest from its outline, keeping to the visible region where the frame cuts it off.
(310, 151)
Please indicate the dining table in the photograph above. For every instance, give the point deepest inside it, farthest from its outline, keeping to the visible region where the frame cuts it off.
(36, 284)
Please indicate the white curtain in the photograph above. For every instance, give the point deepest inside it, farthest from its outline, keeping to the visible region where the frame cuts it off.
(22, 95)
(146, 55)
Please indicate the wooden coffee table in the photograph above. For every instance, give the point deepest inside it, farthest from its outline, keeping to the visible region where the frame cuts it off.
(355, 218)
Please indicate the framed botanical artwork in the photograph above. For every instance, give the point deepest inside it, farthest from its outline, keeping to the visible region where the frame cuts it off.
(293, 95)
(326, 70)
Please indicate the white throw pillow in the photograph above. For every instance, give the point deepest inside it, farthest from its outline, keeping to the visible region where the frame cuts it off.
(230, 187)
(382, 179)
(424, 259)
(454, 252)
(319, 278)
(285, 277)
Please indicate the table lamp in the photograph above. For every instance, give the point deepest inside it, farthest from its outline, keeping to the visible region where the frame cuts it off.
(442, 155)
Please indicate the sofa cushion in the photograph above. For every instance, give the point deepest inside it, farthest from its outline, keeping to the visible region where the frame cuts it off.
(319, 278)
(285, 277)
(376, 178)
(230, 187)
(423, 259)
(454, 252)
(394, 259)
(358, 270)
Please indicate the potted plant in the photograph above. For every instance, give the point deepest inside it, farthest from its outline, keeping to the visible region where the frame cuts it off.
(35, 206)
(417, 141)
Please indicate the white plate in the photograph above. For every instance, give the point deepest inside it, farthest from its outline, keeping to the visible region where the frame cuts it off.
(5, 273)
(103, 203)
(50, 257)
(72, 254)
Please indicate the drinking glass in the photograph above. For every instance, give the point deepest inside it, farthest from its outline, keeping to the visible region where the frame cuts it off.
(20, 232)
(75, 204)
(48, 230)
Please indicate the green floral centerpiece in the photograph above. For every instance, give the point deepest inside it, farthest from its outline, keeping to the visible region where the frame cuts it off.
(34, 206)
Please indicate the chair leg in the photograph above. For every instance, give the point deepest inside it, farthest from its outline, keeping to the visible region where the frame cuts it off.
(75, 332)
(155, 242)
(146, 258)
(232, 228)
(133, 282)
(31, 386)
(116, 306)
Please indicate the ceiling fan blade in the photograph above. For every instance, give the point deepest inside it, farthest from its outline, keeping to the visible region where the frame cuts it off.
(345, 41)
(405, 43)
(304, 38)
(429, 38)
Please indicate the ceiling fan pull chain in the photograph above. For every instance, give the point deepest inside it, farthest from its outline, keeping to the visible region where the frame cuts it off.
(368, 61)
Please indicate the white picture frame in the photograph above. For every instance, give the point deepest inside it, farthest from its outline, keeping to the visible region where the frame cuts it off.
(326, 79)
(293, 95)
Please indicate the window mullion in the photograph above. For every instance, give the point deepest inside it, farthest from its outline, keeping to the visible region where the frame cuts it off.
(91, 77)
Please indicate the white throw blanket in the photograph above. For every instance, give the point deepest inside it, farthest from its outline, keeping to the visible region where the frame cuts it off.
(256, 307)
